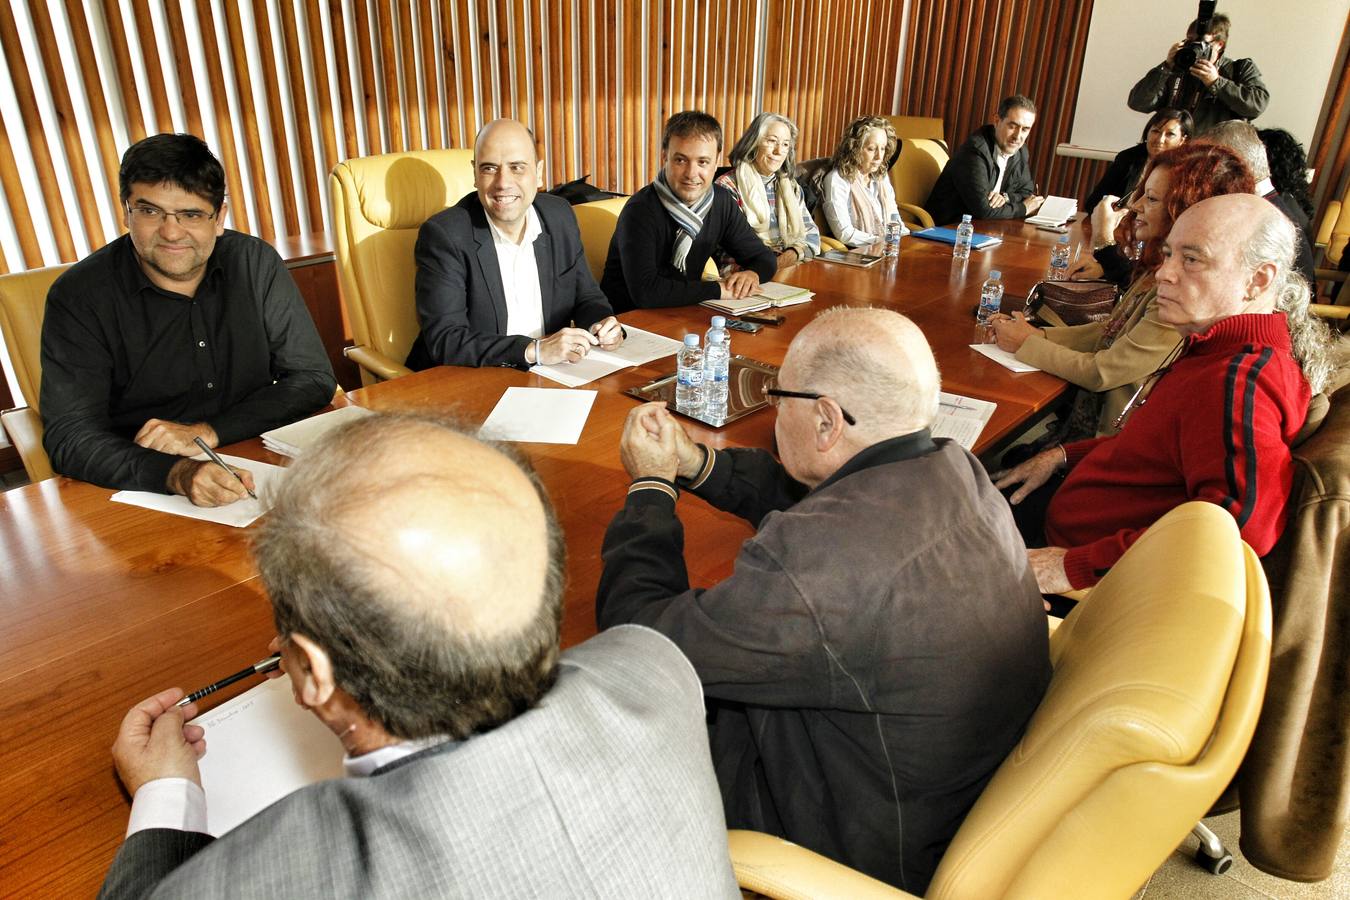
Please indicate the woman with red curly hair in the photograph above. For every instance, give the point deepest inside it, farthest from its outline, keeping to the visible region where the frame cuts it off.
(1109, 359)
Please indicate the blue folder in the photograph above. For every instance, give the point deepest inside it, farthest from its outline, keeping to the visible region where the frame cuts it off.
(948, 236)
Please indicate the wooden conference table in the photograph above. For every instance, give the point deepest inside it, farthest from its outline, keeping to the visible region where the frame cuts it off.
(103, 604)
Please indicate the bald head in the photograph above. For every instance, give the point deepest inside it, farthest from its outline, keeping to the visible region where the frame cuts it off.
(875, 362)
(419, 558)
(1224, 256)
(507, 173)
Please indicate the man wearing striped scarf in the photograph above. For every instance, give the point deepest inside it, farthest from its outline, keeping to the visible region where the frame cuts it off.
(669, 229)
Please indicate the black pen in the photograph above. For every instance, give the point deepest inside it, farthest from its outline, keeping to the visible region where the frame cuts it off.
(261, 667)
(220, 462)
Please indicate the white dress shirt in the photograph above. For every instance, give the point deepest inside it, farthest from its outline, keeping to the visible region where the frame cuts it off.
(520, 278)
(1002, 162)
(180, 804)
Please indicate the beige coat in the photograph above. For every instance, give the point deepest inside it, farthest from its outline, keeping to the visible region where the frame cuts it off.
(1074, 352)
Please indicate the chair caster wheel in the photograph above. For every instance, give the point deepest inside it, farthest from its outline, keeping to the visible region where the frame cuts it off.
(1215, 865)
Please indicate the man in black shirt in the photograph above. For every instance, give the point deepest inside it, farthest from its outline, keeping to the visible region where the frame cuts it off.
(176, 330)
(670, 228)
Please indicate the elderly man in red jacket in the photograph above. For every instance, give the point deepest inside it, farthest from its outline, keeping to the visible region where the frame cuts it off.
(1216, 424)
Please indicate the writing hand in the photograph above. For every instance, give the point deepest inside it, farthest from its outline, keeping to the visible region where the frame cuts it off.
(1031, 204)
(608, 332)
(1011, 331)
(206, 484)
(565, 345)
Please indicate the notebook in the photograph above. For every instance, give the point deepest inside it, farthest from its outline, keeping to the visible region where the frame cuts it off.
(771, 295)
(849, 258)
(948, 236)
(291, 440)
(1054, 211)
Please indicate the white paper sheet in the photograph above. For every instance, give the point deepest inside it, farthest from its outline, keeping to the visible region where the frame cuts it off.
(239, 514)
(260, 747)
(1003, 358)
(540, 415)
(638, 348)
(962, 418)
(295, 438)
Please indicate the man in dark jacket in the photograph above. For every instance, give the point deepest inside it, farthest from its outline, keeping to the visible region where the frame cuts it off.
(989, 177)
(502, 278)
(880, 645)
(1227, 88)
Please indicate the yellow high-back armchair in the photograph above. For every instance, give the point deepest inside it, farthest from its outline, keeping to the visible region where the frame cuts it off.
(1157, 686)
(23, 301)
(924, 127)
(913, 175)
(379, 203)
(597, 221)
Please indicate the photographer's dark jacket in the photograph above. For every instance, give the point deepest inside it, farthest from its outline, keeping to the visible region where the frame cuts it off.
(1238, 94)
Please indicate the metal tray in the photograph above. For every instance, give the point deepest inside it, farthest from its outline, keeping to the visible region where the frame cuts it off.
(745, 393)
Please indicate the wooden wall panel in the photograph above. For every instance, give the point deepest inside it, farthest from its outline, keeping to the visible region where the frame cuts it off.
(595, 78)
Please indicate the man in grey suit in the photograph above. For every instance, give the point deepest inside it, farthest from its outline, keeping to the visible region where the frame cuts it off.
(416, 581)
(502, 277)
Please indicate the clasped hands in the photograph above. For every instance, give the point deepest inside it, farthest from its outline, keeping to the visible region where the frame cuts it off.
(572, 344)
(999, 200)
(654, 444)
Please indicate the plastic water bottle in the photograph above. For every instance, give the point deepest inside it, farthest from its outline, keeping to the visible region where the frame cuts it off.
(893, 229)
(965, 233)
(719, 323)
(716, 376)
(991, 297)
(689, 376)
(1059, 260)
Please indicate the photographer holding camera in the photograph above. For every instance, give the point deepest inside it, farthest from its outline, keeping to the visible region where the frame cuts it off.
(1197, 78)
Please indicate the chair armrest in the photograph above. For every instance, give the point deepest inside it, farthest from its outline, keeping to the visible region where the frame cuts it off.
(917, 214)
(1330, 274)
(781, 870)
(1327, 311)
(829, 243)
(24, 427)
(1328, 223)
(376, 363)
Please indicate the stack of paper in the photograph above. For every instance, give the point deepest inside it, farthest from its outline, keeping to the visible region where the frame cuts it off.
(1003, 358)
(292, 440)
(540, 415)
(638, 347)
(1054, 211)
(962, 418)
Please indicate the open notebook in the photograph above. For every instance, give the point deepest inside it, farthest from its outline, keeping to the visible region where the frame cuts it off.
(1054, 211)
(771, 295)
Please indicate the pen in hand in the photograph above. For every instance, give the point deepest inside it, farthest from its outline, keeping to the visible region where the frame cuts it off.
(215, 458)
(261, 667)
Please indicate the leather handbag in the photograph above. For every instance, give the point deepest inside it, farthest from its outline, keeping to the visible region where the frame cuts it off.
(1072, 302)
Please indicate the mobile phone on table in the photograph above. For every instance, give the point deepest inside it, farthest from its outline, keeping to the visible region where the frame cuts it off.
(763, 320)
(747, 327)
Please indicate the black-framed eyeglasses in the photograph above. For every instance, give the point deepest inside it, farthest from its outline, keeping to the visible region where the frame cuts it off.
(772, 395)
(186, 218)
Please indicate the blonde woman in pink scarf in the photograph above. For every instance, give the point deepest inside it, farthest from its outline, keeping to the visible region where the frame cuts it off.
(859, 199)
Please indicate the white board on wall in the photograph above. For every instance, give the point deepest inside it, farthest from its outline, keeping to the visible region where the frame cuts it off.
(1292, 42)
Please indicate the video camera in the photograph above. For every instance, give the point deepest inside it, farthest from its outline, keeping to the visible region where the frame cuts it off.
(1183, 90)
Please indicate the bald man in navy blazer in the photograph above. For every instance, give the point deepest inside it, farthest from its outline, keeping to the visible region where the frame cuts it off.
(502, 277)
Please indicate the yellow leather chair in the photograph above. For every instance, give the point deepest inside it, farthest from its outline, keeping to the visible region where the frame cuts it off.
(1156, 690)
(23, 300)
(913, 175)
(924, 127)
(379, 203)
(597, 221)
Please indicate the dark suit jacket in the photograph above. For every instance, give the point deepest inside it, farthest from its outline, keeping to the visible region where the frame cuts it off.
(460, 301)
(969, 176)
(605, 789)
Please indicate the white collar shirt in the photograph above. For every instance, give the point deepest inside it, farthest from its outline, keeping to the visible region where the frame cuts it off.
(520, 278)
(1002, 162)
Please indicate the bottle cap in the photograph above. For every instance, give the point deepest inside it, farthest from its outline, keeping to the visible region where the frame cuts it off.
(691, 340)
(719, 321)
(965, 218)
(995, 275)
